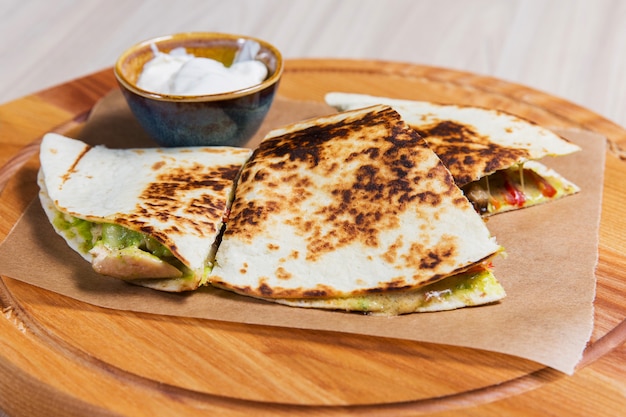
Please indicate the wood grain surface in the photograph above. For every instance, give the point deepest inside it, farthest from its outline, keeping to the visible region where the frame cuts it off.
(59, 356)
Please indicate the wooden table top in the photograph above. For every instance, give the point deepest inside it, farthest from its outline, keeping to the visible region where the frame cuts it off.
(63, 357)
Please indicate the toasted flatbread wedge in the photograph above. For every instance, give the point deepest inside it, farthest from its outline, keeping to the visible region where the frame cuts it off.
(487, 151)
(352, 211)
(148, 216)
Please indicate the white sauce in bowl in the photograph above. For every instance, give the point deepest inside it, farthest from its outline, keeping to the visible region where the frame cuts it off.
(181, 73)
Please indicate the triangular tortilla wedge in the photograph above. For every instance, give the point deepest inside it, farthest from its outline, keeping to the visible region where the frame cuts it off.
(353, 211)
(149, 216)
(487, 151)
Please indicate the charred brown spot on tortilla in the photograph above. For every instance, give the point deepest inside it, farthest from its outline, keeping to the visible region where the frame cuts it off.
(391, 254)
(430, 261)
(245, 173)
(431, 280)
(259, 175)
(282, 273)
(265, 289)
(465, 152)
(394, 284)
(315, 293)
(158, 165)
(72, 169)
(252, 214)
(426, 255)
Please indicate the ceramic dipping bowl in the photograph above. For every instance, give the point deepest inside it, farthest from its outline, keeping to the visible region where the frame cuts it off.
(222, 119)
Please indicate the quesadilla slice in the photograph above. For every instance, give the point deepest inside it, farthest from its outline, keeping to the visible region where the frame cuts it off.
(354, 211)
(491, 154)
(148, 216)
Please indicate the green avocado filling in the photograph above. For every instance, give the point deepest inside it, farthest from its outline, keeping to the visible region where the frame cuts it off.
(458, 286)
(89, 234)
(464, 289)
(112, 235)
(119, 237)
(75, 229)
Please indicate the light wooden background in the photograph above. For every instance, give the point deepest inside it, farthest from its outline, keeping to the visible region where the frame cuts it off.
(573, 49)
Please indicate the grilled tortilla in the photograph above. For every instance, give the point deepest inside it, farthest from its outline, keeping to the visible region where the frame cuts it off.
(491, 154)
(354, 211)
(148, 216)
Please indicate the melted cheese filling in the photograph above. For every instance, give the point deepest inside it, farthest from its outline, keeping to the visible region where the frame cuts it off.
(521, 186)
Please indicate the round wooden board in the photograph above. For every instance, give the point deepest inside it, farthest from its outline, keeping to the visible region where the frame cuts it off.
(64, 357)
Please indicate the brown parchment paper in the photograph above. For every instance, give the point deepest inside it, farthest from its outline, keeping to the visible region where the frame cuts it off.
(549, 274)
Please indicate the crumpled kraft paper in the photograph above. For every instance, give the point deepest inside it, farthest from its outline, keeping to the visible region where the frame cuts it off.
(549, 273)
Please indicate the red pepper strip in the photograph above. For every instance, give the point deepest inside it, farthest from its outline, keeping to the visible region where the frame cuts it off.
(513, 196)
(544, 186)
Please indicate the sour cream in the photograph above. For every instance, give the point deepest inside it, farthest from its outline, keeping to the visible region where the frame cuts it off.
(181, 73)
